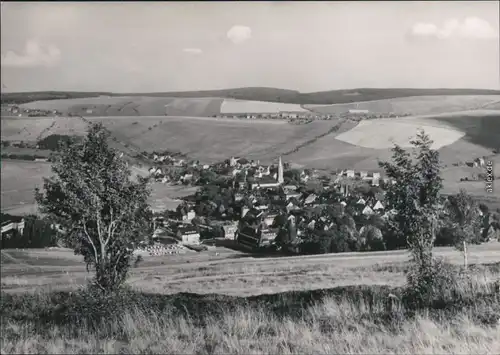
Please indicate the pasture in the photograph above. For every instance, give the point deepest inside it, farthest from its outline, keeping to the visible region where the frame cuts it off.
(414, 105)
(214, 139)
(230, 272)
(241, 106)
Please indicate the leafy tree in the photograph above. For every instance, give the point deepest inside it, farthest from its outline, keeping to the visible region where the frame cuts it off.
(101, 210)
(415, 197)
(372, 238)
(465, 220)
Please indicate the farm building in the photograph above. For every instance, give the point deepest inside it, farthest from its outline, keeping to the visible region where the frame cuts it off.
(358, 112)
(286, 114)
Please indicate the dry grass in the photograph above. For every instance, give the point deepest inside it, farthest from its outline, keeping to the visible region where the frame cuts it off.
(336, 321)
(230, 273)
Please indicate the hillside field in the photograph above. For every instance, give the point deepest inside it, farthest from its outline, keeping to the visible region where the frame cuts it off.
(19, 179)
(209, 106)
(216, 139)
(230, 272)
(414, 105)
(245, 106)
(130, 106)
(259, 94)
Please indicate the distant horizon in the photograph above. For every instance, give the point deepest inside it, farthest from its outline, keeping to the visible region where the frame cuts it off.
(4, 91)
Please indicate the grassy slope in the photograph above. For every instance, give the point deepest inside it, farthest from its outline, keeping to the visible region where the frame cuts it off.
(327, 320)
(230, 272)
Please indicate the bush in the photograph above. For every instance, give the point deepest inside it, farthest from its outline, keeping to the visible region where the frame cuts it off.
(438, 286)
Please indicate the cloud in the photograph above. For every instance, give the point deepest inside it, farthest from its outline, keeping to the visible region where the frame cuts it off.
(469, 28)
(192, 50)
(35, 55)
(239, 34)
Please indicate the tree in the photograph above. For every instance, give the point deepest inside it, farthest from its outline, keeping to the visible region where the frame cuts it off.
(101, 210)
(415, 198)
(465, 220)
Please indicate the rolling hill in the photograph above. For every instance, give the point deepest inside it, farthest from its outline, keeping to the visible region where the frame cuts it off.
(259, 94)
(464, 127)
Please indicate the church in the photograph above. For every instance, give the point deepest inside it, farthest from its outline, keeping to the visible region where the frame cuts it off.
(266, 181)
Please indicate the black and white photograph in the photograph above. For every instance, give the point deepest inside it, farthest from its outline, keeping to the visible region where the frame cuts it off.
(250, 177)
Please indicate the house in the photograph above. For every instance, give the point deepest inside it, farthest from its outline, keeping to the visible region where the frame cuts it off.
(289, 114)
(350, 174)
(269, 219)
(363, 174)
(367, 211)
(230, 230)
(361, 201)
(358, 112)
(12, 224)
(189, 216)
(378, 206)
(188, 234)
(376, 181)
(310, 199)
(238, 197)
(206, 166)
(292, 194)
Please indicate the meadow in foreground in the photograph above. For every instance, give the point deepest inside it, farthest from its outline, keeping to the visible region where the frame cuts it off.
(359, 319)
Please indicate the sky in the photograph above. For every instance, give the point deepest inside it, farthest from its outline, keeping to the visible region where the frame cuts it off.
(305, 46)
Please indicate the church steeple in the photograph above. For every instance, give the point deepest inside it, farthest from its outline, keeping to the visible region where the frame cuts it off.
(280, 171)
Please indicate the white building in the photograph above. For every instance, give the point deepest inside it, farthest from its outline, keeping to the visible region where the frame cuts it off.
(230, 230)
(358, 112)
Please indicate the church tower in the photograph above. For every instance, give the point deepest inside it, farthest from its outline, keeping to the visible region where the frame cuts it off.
(280, 172)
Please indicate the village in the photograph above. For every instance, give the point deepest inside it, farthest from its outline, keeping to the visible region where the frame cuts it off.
(275, 207)
(307, 117)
